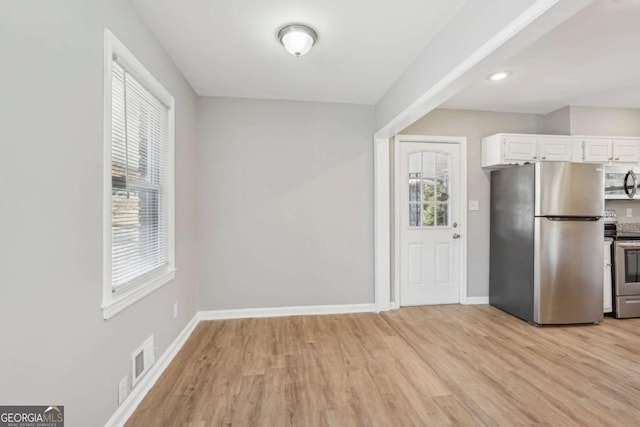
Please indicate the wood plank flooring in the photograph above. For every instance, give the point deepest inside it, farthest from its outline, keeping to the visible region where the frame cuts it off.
(424, 366)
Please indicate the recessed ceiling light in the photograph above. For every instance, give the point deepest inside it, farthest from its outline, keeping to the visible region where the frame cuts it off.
(297, 39)
(501, 75)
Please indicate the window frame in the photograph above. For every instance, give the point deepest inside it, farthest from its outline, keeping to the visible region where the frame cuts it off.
(115, 302)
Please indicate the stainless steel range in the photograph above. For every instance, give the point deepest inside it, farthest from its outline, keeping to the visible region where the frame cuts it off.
(627, 270)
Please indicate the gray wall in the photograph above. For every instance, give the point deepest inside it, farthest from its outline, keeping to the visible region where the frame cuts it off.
(56, 347)
(475, 125)
(621, 206)
(285, 202)
(605, 121)
(557, 122)
(601, 121)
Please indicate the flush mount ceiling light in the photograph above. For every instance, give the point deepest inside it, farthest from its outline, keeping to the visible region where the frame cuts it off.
(297, 39)
(501, 75)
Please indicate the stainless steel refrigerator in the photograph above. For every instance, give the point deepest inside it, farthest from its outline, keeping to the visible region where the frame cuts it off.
(547, 231)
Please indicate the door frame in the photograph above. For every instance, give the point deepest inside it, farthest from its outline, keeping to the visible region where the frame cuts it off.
(461, 141)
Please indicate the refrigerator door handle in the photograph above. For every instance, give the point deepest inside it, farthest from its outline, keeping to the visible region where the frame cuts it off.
(631, 193)
(572, 218)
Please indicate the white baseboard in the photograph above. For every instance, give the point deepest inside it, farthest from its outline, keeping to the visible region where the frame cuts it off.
(246, 313)
(124, 411)
(393, 305)
(476, 300)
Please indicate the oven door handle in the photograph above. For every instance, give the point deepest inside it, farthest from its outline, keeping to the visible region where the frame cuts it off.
(631, 193)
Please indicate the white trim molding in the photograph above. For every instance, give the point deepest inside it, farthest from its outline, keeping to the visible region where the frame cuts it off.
(128, 407)
(382, 221)
(476, 300)
(461, 141)
(247, 313)
(115, 302)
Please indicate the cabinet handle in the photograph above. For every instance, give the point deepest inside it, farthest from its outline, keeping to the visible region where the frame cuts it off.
(617, 158)
(610, 158)
(544, 157)
(535, 157)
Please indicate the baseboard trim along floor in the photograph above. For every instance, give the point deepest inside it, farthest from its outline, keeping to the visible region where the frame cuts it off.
(476, 300)
(128, 407)
(138, 393)
(247, 313)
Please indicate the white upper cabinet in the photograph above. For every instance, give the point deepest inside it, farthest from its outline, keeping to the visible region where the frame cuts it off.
(624, 150)
(597, 150)
(520, 148)
(508, 149)
(555, 149)
(504, 149)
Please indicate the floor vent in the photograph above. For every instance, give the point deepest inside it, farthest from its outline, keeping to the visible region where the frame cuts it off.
(142, 359)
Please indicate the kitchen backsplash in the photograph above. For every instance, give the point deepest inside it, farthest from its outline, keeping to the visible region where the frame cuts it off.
(621, 206)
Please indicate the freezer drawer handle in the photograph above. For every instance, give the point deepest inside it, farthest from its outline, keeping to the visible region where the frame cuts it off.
(632, 301)
(573, 218)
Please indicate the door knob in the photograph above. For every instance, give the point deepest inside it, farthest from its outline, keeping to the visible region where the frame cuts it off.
(456, 236)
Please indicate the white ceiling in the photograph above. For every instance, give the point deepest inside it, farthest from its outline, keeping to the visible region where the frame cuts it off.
(230, 48)
(592, 59)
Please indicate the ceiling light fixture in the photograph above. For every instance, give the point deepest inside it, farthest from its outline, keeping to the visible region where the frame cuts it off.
(501, 75)
(297, 39)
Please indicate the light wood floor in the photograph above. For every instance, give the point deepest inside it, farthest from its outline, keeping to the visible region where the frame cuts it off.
(439, 365)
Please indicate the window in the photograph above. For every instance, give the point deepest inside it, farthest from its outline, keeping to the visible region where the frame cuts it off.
(138, 229)
(429, 189)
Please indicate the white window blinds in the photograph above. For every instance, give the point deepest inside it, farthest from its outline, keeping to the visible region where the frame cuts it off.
(139, 173)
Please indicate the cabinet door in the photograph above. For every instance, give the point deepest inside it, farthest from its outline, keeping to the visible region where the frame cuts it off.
(520, 148)
(626, 151)
(555, 149)
(598, 150)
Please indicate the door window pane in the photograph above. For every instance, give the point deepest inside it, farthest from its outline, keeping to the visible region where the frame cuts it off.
(414, 215)
(429, 164)
(442, 214)
(429, 189)
(414, 187)
(428, 215)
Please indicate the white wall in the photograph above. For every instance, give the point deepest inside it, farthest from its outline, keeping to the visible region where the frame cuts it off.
(56, 347)
(286, 203)
(475, 125)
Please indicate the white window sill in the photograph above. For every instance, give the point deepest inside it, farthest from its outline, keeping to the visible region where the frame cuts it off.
(119, 302)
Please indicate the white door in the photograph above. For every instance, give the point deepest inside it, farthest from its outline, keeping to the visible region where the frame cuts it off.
(429, 187)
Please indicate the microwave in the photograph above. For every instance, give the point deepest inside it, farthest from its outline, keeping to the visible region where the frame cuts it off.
(621, 182)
